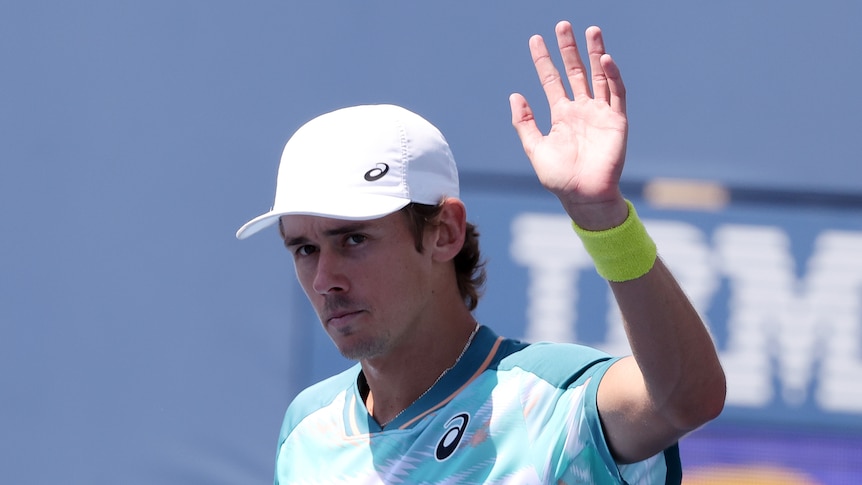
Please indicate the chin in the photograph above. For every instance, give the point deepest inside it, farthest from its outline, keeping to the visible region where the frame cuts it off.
(355, 349)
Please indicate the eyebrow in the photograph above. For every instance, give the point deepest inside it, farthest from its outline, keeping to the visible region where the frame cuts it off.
(346, 228)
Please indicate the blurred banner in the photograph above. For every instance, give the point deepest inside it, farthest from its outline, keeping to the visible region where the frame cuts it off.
(776, 274)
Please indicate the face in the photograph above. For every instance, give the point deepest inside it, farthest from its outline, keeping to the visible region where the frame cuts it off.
(366, 280)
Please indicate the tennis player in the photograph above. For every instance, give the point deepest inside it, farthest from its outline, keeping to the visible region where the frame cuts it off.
(367, 203)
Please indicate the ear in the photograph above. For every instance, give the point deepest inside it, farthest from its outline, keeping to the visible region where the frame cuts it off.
(449, 230)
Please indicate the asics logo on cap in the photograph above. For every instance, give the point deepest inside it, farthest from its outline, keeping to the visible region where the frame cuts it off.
(377, 172)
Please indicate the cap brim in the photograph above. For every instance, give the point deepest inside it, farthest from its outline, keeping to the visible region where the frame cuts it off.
(257, 224)
(368, 207)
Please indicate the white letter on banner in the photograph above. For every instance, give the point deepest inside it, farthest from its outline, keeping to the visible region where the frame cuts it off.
(548, 247)
(774, 317)
(778, 325)
(554, 256)
(760, 267)
(835, 295)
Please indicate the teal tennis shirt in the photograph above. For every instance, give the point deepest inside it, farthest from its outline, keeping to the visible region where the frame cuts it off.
(507, 413)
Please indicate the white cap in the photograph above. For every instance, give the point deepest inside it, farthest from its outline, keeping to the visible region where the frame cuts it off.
(360, 163)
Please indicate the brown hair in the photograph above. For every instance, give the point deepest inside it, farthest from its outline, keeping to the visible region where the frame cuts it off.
(469, 267)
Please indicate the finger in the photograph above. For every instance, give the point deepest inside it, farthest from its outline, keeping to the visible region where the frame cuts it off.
(595, 50)
(524, 123)
(615, 84)
(548, 74)
(575, 70)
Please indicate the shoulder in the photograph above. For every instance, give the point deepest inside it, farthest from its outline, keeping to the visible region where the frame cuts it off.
(560, 364)
(316, 397)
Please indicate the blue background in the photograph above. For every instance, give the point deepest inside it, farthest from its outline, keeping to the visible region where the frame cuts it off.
(141, 343)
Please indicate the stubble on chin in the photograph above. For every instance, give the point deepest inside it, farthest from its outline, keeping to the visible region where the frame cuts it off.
(355, 347)
(354, 343)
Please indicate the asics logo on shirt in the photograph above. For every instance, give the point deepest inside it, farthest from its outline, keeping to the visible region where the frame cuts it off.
(452, 437)
(377, 172)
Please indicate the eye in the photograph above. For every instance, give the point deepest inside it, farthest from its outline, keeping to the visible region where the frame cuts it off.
(305, 250)
(355, 239)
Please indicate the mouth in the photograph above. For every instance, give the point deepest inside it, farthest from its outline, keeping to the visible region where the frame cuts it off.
(342, 318)
(339, 312)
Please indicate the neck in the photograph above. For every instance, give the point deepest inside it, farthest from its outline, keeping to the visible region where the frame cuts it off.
(396, 382)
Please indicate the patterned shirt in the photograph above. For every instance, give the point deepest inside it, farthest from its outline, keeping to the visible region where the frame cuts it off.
(507, 413)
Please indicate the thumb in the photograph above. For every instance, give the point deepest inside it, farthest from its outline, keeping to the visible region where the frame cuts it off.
(524, 123)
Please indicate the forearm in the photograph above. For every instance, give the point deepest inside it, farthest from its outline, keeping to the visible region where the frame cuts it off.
(671, 345)
(675, 382)
(673, 349)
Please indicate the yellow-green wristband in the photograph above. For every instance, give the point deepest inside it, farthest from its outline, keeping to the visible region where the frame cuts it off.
(621, 253)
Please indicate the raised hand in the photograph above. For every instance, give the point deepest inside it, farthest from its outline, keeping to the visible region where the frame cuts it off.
(581, 158)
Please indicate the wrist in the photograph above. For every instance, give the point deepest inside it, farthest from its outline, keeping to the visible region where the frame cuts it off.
(622, 253)
(598, 216)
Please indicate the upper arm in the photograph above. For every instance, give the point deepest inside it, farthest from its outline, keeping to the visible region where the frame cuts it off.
(633, 423)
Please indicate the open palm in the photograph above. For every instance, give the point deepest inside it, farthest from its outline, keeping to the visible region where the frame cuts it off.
(581, 158)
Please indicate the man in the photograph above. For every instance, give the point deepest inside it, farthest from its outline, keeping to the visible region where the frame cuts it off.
(367, 203)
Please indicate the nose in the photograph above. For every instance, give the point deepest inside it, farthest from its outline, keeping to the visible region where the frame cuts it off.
(329, 276)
